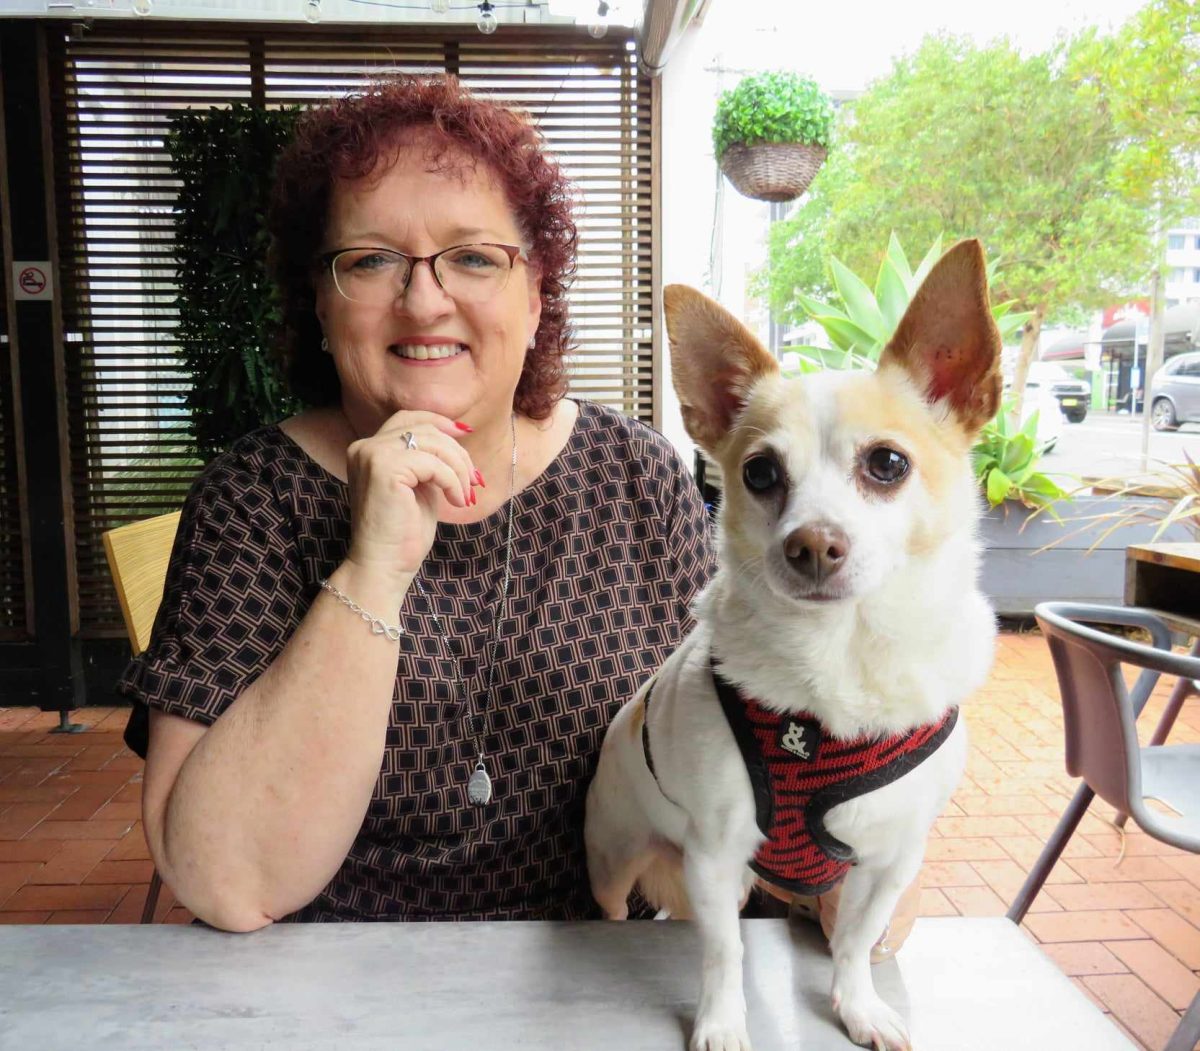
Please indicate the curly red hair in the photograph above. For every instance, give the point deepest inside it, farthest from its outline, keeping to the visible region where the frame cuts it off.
(345, 139)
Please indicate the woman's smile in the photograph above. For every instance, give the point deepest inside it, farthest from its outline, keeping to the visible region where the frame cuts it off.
(422, 352)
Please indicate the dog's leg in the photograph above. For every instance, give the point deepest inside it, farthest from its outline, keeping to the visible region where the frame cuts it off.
(714, 879)
(868, 899)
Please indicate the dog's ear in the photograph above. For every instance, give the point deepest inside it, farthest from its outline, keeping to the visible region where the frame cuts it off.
(947, 340)
(715, 360)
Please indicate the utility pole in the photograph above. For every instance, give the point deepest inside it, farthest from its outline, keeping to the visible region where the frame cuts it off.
(1154, 350)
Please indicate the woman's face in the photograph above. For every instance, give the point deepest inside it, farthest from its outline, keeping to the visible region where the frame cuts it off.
(410, 209)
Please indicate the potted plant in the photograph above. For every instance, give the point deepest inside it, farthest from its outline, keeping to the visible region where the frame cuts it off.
(771, 134)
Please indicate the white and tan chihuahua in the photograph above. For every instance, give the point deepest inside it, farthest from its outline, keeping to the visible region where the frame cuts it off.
(807, 728)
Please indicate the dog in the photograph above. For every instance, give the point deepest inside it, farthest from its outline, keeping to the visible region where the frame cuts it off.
(843, 628)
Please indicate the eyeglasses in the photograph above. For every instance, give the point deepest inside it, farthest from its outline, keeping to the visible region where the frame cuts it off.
(379, 276)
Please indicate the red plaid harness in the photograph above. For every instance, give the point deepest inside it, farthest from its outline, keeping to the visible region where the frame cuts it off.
(799, 773)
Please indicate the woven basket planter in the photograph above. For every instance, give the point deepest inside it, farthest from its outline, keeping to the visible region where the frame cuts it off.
(772, 171)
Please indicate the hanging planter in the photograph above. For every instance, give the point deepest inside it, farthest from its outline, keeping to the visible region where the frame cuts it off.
(771, 135)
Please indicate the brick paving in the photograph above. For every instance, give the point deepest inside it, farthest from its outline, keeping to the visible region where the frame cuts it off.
(1128, 934)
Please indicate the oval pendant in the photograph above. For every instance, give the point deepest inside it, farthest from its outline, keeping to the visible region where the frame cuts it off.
(479, 788)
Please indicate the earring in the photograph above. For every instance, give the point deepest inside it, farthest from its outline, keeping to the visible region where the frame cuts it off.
(325, 344)
(532, 342)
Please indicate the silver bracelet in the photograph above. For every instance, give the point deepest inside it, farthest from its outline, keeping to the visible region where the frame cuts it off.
(377, 626)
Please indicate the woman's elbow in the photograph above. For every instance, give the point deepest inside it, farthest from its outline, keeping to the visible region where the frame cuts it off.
(235, 919)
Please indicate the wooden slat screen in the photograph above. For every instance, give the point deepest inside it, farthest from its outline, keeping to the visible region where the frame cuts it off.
(115, 90)
(13, 624)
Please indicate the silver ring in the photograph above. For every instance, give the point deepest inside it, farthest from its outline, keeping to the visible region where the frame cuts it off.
(410, 441)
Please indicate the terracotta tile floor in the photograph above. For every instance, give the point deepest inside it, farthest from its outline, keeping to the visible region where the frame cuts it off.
(72, 850)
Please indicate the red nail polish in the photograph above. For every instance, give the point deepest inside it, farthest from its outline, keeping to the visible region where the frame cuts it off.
(479, 478)
(463, 426)
(474, 498)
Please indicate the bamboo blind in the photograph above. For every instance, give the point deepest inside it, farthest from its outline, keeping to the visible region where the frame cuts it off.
(114, 92)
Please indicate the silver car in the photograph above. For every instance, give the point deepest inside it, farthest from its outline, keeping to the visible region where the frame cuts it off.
(1175, 392)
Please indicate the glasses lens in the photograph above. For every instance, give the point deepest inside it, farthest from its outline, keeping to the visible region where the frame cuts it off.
(370, 275)
(473, 273)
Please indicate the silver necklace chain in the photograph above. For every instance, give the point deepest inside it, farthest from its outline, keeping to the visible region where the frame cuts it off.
(475, 724)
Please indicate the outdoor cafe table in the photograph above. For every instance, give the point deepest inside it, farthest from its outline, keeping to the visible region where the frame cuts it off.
(964, 984)
(1165, 580)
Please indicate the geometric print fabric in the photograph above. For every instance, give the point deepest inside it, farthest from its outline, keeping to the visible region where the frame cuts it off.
(611, 545)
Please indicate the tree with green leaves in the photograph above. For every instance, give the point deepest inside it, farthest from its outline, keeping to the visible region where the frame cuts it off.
(1148, 74)
(982, 142)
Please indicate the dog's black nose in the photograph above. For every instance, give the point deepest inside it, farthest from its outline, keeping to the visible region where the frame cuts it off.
(817, 550)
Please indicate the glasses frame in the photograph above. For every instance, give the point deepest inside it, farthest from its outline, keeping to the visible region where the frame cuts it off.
(327, 259)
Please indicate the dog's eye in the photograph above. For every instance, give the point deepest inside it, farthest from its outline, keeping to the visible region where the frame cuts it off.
(760, 473)
(886, 465)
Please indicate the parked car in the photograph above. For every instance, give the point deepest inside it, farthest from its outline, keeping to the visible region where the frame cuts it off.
(1050, 416)
(1175, 392)
(1073, 395)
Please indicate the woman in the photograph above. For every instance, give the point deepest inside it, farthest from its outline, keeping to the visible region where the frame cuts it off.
(396, 625)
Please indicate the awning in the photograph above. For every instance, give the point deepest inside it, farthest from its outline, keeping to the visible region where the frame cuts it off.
(1065, 348)
(1181, 332)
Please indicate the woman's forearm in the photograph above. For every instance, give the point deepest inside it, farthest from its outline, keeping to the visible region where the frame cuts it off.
(267, 805)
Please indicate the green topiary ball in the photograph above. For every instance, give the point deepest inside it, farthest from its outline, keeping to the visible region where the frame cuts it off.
(772, 107)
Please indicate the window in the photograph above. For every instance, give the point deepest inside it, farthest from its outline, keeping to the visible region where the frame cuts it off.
(1177, 274)
(1175, 241)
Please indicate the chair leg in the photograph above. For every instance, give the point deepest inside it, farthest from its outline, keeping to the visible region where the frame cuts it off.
(1182, 688)
(152, 898)
(1063, 831)
(1187, 1033)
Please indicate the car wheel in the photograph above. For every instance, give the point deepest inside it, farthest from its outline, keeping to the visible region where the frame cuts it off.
(1162, 415)
(1077, 415)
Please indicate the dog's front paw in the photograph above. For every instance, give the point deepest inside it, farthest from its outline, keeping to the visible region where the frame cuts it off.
(871, 1023)
(719, 1034)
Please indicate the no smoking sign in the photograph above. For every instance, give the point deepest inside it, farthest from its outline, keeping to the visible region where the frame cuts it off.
(31, 280)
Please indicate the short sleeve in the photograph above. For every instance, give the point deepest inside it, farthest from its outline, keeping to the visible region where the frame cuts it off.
(234, 593)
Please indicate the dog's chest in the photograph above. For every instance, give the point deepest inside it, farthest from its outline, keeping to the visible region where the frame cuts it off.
(799, 772)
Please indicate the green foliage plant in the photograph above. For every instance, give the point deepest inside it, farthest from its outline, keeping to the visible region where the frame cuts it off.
(772, 107)
(1006, 458)
(228, 314)
(859, 320)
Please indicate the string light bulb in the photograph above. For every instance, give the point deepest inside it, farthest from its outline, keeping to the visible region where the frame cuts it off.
(439, 7)
(312, 11)
(599, 27)
(486, 22)
(141, 8)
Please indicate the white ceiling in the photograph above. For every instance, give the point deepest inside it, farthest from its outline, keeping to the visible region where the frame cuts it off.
(419, 12)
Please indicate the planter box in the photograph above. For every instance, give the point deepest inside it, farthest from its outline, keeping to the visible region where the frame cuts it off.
(1016, 579)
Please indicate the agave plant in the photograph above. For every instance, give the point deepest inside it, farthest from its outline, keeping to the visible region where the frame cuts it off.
(859, 326)
(1006, 458)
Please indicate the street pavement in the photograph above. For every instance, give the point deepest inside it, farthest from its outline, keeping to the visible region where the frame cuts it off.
(1108, 445)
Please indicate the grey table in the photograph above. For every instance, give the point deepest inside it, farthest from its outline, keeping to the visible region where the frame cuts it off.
(965, 985)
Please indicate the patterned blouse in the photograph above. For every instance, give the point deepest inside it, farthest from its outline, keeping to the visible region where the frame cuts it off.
(610, 546)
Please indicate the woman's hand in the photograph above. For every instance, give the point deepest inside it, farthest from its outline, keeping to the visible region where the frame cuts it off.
(394, 491)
